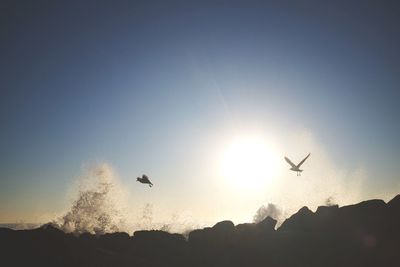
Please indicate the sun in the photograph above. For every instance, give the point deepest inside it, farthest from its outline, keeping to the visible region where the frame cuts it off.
(249, 163)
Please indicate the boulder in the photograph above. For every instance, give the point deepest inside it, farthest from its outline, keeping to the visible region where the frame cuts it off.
(303, 220)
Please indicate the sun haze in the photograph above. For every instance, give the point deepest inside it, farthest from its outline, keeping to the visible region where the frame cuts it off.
(249, 163)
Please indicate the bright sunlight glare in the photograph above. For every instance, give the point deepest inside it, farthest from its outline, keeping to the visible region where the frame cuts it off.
(249, 163)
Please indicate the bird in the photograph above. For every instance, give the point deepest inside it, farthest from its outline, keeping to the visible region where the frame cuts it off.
(144, 180)
(296, 168)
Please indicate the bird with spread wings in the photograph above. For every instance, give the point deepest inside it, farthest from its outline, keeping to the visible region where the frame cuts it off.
(295, 167)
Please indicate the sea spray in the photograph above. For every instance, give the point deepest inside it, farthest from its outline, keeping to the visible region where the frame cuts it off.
(96, 208)
(271, 210)
(100, 204)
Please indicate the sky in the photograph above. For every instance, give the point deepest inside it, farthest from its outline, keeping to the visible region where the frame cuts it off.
(167, 88)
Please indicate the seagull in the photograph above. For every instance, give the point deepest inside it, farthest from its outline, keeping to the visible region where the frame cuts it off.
(296, 168)
(144, 180)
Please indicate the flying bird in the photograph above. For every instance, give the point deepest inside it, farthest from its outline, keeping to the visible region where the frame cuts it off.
(296, 168)
(144, 180)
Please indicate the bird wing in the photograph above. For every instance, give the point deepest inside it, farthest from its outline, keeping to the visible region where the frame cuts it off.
(145, 178)
(301, 162)
(290, 163)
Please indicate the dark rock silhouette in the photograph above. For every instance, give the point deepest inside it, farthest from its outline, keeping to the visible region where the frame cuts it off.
(303, 220)
(364, 234)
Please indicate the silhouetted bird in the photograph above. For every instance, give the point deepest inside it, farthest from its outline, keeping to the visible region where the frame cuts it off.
(144, 180)
(296, 168)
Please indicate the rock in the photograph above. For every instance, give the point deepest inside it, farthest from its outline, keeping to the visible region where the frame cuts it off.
(155, 236)
(394, 203)
(114, 241)
(224, 226)
(221, 234)
(301, 221)
(267, 225)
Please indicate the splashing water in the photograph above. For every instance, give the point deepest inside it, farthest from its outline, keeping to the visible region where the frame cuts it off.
(96, 209)
(271, 210)
(101, 206)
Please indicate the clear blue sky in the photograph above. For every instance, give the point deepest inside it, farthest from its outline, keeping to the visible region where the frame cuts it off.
(153, 87)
